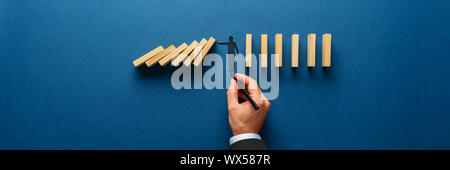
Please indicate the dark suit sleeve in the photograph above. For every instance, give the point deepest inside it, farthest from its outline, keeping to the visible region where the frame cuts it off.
(249, 144)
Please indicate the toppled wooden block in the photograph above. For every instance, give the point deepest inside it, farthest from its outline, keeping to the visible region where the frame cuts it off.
(294, 50)
(311, 50)
(195, 53)
(264, 50)
(248, 50)
(160, 55)
(278, 50)
(184, 54)
(205, 51)
(141, 60)
(326, 50)
(173, 54)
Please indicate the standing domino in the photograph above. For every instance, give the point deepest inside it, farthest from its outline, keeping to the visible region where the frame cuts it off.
(264, 50)
(326, 50)
(278, 50)
(248, 50)
(294, 48)
(311, 50)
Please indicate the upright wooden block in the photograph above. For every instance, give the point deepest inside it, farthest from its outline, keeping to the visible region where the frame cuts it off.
(278, 50)
(326, 50)
(311, 50)
(184, 54)
(172, 54)
(160, 55)
(141, 60)
(294, 50)
(248, 50)
(205, 51)
(263, 50)
(195, 53)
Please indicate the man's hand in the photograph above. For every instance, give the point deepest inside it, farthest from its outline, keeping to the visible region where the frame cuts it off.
(243, 117)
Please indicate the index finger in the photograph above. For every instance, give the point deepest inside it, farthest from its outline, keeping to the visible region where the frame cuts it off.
(232, 94)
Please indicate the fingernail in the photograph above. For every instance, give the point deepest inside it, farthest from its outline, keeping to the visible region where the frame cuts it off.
(231, 84)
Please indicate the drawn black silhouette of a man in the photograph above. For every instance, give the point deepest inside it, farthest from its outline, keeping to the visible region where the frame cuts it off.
(231, 45)
(230, 57)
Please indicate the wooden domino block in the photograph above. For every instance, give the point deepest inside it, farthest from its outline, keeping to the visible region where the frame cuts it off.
(160, 55)
(326, 50)
(141, 60)
(184, 54)
(204, 51)
(172, 54)
(195, 53)
(311, 50)
(294, 50)
(248, 50)
(278, 50)
(264, 50)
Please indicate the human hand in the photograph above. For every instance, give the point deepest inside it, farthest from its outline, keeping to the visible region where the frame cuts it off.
(243, 118)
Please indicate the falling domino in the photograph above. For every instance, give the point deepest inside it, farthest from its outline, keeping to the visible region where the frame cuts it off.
(141, 60)
(326, 50)
(184, 54)
(160, 55)
(205, 51)
(311, 50)
(194, 54)
(264, 50)
(248, 50)
(173, 54)
(278, 50)
(294, 50)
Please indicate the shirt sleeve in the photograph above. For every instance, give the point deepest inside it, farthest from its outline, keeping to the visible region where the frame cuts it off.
(244, 136)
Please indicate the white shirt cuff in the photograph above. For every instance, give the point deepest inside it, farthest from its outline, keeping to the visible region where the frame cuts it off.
(244, 136)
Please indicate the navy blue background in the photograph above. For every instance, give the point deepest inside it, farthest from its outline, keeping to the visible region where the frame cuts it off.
(67, 81)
